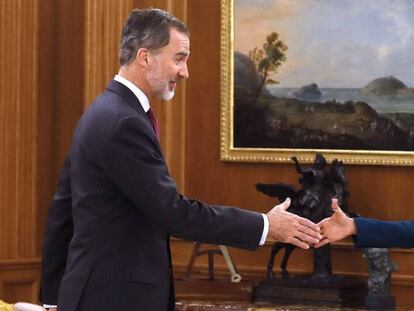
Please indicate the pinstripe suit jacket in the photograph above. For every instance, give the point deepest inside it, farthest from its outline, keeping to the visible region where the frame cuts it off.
(377, 233)
(106, 244)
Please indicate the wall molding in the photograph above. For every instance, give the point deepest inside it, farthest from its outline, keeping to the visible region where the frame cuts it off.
(20, 279)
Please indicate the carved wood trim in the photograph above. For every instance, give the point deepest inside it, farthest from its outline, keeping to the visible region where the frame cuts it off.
(19, 280)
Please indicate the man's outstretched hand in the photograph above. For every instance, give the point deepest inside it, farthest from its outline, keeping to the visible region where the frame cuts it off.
(290, 228)
(336, 227)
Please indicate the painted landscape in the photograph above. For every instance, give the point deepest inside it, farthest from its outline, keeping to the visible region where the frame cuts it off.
(324, 75)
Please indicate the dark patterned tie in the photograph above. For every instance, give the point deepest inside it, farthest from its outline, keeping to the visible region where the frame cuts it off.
(154, 122)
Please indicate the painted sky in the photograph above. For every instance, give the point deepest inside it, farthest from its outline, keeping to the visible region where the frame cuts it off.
(334, 43)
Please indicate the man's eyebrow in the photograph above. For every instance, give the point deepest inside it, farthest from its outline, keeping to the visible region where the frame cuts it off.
(183, 53)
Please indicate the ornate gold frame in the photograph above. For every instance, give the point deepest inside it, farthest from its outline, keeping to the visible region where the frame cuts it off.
(230, 153)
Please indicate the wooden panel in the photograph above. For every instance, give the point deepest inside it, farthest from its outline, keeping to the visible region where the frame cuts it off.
(104, 20)
(19, 290)
(18, 119)
(173, 115)
(60, 90)
(68, 75)
(160, 4)
(45, 147)
(19, 280)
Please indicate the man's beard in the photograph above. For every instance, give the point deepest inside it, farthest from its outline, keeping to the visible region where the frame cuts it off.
(162, 88)
(167, 94)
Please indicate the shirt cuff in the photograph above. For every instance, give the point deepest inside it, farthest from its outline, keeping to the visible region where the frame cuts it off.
(265, 230)
(49, 306)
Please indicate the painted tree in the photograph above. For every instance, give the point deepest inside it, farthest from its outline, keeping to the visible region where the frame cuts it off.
(267, 60)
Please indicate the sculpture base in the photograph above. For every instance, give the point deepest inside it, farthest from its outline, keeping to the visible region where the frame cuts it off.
(379, 303)
(335, 291)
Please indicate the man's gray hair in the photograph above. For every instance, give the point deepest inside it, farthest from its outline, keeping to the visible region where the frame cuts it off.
(148, 28)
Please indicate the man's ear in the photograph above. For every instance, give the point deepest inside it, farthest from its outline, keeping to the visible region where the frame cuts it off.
(143, 56)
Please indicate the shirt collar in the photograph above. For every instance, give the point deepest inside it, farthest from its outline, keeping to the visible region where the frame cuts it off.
(142, 98)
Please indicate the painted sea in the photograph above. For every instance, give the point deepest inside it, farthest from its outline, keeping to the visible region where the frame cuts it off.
(382, 104)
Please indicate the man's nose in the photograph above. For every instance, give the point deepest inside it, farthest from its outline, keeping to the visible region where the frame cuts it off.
(183, 72)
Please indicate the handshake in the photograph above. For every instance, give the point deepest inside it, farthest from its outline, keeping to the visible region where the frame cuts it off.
(301, 232)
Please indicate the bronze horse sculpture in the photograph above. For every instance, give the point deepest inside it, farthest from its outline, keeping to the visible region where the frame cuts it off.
(312, 201)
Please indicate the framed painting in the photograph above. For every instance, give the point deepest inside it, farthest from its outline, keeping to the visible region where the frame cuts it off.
(305, 76)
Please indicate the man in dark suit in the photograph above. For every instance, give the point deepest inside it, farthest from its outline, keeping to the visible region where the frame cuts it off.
(106, 244)
(366, 232)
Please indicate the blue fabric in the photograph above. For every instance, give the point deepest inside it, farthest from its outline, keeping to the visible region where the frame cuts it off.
(377, 233)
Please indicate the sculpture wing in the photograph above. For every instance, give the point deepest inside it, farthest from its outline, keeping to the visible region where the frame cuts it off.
(280, 190)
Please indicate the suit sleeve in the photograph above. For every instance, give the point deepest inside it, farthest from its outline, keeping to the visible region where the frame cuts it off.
(133, 161)
(377, 233)
(58, 233)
